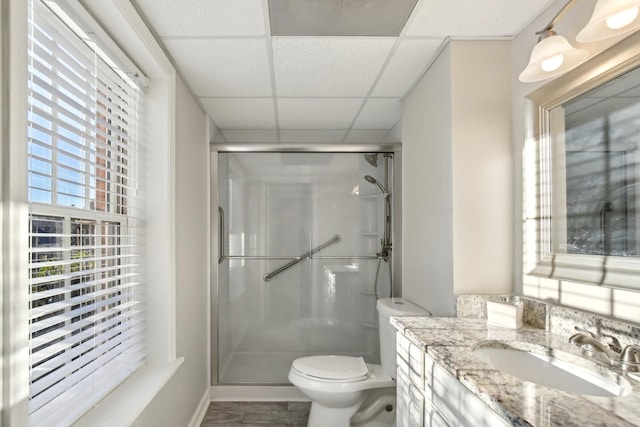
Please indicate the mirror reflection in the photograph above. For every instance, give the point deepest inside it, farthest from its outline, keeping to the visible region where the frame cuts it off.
(595, 168)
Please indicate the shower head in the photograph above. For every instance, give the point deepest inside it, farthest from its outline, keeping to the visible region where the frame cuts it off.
(372, 180)
(372, 159)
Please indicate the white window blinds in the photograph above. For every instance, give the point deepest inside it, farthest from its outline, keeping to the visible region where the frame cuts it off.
(85, 305)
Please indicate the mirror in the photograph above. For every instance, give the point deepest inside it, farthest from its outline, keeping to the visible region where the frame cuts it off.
(595, 139)
(582, 173)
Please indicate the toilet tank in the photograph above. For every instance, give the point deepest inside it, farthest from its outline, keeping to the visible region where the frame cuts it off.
(393, 307)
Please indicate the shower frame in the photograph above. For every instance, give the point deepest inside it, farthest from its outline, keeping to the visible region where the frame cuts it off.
(215, 236)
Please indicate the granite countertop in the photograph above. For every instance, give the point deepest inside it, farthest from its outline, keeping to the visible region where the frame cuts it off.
(451, 341)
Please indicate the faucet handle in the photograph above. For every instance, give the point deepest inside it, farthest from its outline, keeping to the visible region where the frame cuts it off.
(584, 331)
(581, 335)
(630, 358)
(612, 342)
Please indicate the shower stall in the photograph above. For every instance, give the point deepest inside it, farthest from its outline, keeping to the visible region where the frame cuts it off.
(306, 243)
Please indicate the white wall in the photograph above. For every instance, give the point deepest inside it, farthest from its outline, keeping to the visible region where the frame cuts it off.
(427, 247)
(457, 177)
(180, 398)
(616, 303)
(482, 167)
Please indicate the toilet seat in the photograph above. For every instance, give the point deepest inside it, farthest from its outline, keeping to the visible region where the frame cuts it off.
(332, 368)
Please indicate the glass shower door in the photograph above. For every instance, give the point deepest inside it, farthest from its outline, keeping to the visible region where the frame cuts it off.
(302, 231)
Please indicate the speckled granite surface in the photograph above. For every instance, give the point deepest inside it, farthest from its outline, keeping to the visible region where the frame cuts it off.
(451, 341)
(558, 319)
(562, 320)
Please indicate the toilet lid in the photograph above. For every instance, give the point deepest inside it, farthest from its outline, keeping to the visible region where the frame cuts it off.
(344, 368)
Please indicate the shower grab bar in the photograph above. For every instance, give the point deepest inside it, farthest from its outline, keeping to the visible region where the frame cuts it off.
(265, 257)
(221, 256)
(268, 276)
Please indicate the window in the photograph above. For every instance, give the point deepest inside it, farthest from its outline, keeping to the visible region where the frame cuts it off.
(86, 315)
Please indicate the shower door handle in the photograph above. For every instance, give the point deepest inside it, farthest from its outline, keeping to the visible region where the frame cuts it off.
(220, 235)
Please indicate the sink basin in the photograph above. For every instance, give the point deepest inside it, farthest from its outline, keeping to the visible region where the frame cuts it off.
(548, 371)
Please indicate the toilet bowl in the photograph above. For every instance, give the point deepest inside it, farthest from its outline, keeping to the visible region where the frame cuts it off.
(338, 385)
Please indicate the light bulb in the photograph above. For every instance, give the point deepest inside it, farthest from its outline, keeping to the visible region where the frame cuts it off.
(552, 64)
(622, 19)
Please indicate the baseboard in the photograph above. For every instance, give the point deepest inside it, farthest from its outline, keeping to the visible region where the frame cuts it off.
(201, 410)
(240, 393)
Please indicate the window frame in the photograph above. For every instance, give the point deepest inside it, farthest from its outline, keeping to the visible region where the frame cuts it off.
(128, 29)
(79, 366)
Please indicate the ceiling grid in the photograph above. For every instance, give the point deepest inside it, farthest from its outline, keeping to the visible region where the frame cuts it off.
(259, 87)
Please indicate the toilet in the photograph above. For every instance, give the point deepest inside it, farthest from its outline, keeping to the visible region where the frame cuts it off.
(338, 385)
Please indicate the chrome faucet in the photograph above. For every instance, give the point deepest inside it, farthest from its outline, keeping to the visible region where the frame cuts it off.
(588, 341)
(629, 358)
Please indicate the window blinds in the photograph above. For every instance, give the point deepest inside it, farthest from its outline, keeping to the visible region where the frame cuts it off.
(85, 307)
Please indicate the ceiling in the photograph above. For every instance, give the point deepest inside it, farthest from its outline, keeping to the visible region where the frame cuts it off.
(297, 89)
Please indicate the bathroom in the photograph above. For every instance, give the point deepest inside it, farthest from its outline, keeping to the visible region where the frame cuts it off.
(458, 197)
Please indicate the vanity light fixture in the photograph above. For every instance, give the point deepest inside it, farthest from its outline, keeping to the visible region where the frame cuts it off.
(553, 54)
(611, 18)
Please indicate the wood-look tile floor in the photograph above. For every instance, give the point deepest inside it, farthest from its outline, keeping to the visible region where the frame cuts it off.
(257, 414)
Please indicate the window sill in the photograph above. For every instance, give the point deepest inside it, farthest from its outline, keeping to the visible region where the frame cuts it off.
(118, 408)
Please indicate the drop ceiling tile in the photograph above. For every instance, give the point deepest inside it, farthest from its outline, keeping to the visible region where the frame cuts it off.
(339, 17)
(328, 66)
(407, 65)
(379, 113)
(223, 67)
(241, 113)
(306, 136)
(440, 18)
(365, 136)
(204, 18)
(314, 113)
(251, 136)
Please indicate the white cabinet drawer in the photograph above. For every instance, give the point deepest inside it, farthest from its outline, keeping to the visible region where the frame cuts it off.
(403, 398)
(402, 346)
(431, 416)
(402, 367)
(416, 366)
(416, 407)
(409, 403)
(413, 356)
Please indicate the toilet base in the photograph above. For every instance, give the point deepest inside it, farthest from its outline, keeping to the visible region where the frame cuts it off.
(322, 416)
(377, 410)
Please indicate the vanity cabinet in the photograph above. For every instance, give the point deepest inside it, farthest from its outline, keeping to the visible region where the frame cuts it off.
(430, 396)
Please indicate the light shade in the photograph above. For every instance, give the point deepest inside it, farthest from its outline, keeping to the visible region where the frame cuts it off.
(552, 56)
(611, 18)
